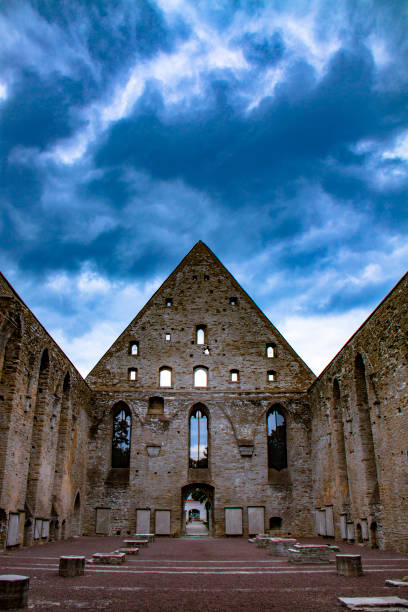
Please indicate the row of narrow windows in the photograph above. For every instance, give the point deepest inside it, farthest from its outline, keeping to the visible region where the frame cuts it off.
(200, 376)
(199, 437)
(200, 338)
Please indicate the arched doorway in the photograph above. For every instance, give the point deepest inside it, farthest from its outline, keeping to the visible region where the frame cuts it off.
(197, 509)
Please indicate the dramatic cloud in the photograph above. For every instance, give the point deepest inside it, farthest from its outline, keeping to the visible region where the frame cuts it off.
(277, 133)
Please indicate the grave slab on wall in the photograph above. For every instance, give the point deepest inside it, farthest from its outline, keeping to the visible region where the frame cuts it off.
(37, 529)
(102, 521)
(256, 520)
(45, 529)
(142, 520)
(233, 521)
(329, 521)
(162, 522)
(13, 529)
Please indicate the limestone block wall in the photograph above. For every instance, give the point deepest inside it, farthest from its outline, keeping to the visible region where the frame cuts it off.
(360, 429)
(201, 294)
(236, 481)
(44, 425)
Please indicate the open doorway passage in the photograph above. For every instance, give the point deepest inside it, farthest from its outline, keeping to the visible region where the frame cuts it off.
(197, 500)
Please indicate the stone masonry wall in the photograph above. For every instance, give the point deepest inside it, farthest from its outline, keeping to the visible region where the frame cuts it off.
(44, 427)
(360, 428)
(202, 292)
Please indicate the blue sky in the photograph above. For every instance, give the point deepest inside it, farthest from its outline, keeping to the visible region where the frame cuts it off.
(276, 132)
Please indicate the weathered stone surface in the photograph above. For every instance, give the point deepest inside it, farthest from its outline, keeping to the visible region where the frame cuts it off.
(279, 546)
(71, 565)
(112, 558)
(349, 565)
(140, 543)
(129, 550)
(13, 591)
(360, 429)
(374, 603)
(145, 536)
(236, 336)
(309, 553)
(396, 583)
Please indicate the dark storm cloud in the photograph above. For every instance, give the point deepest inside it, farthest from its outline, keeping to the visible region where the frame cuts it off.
(273, 131)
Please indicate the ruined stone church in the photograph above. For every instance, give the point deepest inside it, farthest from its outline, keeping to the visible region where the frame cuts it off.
(202, 392)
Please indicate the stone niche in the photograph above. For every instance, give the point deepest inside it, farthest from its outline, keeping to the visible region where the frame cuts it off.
(153, 450)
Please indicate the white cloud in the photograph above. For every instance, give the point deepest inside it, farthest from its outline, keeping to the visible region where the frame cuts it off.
(3, 91)
(317, 339)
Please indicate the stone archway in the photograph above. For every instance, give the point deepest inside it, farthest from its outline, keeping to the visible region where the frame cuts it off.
(208, 490)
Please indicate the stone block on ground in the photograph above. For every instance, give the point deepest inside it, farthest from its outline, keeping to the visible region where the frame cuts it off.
(279, 546)
(374, 603)
(309, 553)
(128, 551)
(261, 540)
(349, 565)
(145, 536)
(13, 591)
(141, 543)
(71, 565)
(112, 558)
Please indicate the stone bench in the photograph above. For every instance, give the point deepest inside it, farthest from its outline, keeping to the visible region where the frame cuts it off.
(309, 553)
(13, 591)
(112, 558)
(279, 546)
(145, 536)
(261, 540)
(136, 543)
(71, 565)
(349, 565)
(128, 550)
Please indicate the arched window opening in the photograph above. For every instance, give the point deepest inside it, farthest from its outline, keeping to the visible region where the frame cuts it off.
(234, 375)
(271, 376)
(271, 350)
(200, 377)
(66, 384)
(165, 377)
(121, 436)
(198, 438)
(133, 348)
(45, 362)
(132, 374)
(200, 334)
(276, 431)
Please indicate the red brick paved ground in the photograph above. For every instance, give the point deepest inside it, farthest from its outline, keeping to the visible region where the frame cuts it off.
(197, 575)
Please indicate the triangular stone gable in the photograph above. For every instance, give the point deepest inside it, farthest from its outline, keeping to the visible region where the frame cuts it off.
(201, 291)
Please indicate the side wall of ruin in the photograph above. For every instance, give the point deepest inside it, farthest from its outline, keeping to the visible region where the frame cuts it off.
(43, 429)
(360, 431)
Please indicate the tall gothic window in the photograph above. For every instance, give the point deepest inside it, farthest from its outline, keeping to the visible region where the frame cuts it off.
(198, 438)
(276, 430)
(121, 436)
